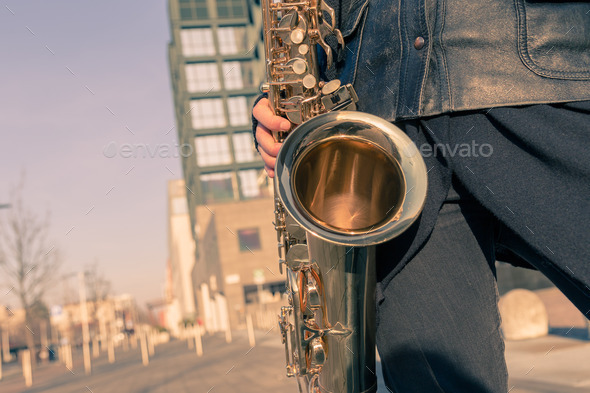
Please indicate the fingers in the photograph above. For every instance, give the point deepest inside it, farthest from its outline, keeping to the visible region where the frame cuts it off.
(268, 149)
(265, 116)
(267, 123)
(269, 160)
(266, 142)
(269, 171)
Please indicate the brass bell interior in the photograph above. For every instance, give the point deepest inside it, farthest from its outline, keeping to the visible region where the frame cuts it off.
(348, 184)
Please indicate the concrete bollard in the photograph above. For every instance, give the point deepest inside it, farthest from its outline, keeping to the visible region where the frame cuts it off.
(69, 360)
(523, 315)
(251, 337)
(86, 355)
(145, 358)
(150, 342)
(198, 341)
(27, 368)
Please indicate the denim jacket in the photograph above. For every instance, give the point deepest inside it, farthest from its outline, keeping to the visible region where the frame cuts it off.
(410, 59)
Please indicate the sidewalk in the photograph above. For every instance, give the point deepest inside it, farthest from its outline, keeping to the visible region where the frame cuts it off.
(549, 364)
(555, 363)
(546, 365)
(233, 367)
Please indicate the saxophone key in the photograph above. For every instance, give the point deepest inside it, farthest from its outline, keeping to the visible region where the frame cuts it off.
(297, 257)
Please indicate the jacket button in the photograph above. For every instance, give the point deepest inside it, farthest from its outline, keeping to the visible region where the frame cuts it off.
(419, 43)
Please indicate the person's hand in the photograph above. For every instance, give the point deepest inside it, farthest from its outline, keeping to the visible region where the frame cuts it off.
(267, 123)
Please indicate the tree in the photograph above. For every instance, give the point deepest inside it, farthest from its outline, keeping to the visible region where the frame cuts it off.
(99, 287)
(29, 260)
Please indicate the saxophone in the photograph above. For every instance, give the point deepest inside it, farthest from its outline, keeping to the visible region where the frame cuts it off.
(344, 182)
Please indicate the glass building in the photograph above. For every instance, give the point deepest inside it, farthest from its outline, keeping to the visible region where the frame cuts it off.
(216, 75)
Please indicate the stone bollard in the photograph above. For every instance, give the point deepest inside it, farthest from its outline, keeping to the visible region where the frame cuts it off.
(524, 315)
(69, 361)
(145, 357)
(150, 341)
(250, 326)
(198, 340)
(27, 368)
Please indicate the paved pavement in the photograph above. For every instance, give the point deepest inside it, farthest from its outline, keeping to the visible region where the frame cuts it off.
(547, 365)
(556, 363)
(174, 368)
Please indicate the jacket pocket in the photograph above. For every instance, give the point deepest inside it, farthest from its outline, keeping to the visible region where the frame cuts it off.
(352, 16)
(351, 26)
(554, 38)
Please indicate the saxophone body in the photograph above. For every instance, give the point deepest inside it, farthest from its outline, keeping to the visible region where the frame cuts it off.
(344, 182)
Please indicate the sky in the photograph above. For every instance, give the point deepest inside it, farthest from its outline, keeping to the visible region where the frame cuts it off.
(86, 114)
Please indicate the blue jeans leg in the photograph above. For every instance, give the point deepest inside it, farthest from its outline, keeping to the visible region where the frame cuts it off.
(438, 322)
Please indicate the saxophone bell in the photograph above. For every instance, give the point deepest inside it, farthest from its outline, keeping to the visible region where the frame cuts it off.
(351, 178)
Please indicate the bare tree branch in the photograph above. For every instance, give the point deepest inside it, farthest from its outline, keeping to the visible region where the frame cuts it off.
(30, 262)
(99, 288)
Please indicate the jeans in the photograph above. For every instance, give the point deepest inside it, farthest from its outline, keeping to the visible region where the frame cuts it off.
(438, 322)
(438, 326)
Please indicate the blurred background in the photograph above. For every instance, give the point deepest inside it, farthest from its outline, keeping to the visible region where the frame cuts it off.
(137, 249)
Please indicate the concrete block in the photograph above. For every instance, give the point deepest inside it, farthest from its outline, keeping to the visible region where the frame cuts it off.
(524, 315)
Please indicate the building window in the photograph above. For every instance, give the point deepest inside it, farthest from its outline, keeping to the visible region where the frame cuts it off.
(249, 183)
(232, 40)
(238, 75)
(249, 239)
(232, 75)
(193, 9)
(179, 206)
(270, 292)
(239, 114)
(230, 9)
(217, 187)
(197, 42)
(202, 77)
(212, 150)
(244, 150)
(207, 113)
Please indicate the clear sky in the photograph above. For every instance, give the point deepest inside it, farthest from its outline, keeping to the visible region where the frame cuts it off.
(78, 80)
